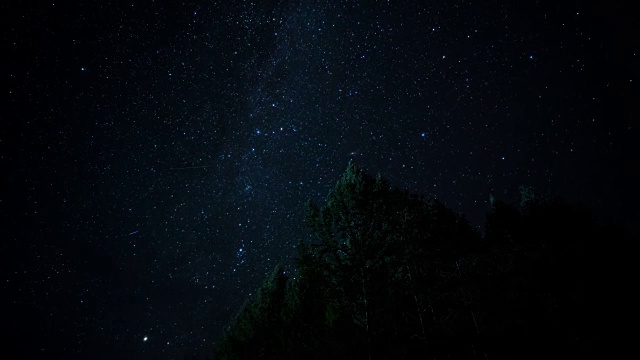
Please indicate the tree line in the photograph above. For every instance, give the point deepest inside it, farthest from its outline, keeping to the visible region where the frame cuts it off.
(394, 275)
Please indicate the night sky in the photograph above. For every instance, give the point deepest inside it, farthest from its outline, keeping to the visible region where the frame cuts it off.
(156, 158)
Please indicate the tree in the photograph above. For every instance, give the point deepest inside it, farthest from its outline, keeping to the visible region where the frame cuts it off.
(256, 332)
(381, 251)
(391, 275)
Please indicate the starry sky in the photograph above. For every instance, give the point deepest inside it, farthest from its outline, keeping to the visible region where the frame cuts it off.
(156, 156)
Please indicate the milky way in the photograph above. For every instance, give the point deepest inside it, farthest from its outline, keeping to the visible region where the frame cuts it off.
(160, 156)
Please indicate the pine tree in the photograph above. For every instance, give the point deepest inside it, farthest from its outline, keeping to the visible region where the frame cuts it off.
(257, 330)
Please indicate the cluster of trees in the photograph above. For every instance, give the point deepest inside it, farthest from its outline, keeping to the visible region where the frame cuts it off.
(392, 275)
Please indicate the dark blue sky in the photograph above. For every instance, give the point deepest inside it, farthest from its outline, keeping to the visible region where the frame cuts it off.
(156, 158)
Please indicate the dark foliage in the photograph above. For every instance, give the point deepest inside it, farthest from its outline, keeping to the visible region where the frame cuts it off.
(392, 275)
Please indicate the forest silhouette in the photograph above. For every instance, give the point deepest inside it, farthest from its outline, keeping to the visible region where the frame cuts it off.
(394, 275)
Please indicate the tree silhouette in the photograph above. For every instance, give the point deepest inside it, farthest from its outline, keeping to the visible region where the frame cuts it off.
(392, 275)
